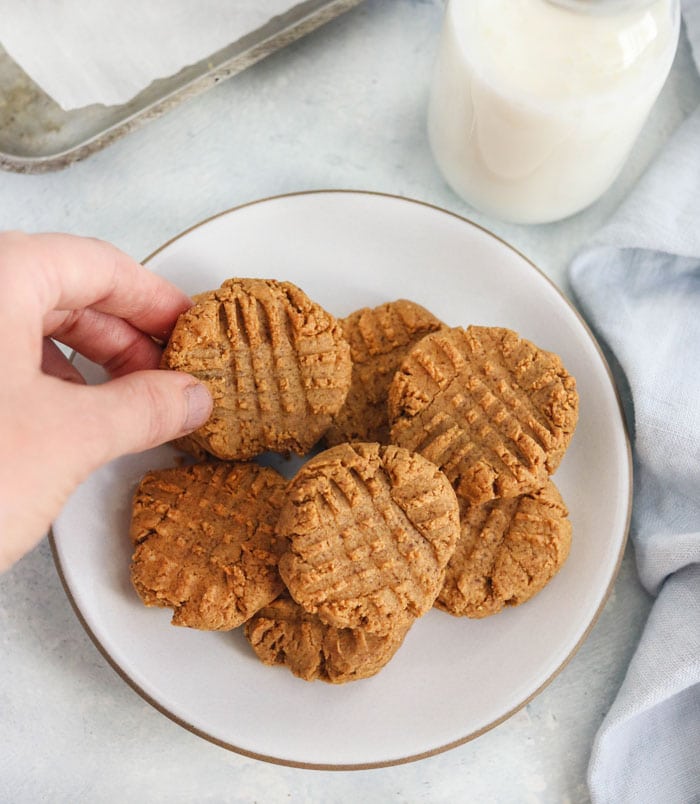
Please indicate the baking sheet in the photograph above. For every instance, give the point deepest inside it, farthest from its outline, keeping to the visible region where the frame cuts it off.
(37, 135)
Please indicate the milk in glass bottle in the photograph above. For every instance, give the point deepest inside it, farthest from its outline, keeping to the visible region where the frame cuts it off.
(536, 104)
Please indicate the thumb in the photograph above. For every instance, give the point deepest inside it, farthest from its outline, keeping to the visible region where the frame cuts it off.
(139, 411)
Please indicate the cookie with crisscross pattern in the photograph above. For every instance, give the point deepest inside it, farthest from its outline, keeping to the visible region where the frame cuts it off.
(284, 633)
(508, 550)
(492, 410)
(371, 529)
(276, 363)
(205, 543)
(379, 337)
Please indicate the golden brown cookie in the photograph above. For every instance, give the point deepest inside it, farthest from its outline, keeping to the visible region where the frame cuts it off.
(379, 339)
(508, 551)
(276, 363)
(205, 543)
(371, 529)
(283, 633)
(491, 409)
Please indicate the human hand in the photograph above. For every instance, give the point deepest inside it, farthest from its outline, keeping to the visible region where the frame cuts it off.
(54, 429)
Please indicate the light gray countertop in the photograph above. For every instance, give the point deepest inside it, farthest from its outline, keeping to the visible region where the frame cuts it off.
(344, 108)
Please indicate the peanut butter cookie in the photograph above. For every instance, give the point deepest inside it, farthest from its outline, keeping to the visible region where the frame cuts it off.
(508, 551)
(379, 339)
(283, 633)
(371, 529)
(491, 409)
(205, 544)
(276, 363)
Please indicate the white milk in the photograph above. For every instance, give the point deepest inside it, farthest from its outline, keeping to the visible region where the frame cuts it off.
(534, 108)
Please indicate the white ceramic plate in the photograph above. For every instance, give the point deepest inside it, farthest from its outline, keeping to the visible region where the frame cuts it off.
(453, 678)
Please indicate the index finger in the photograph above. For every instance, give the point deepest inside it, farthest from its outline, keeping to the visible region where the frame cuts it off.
(48, 272)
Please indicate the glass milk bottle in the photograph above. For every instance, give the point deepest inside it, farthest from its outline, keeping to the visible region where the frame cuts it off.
(536, 104)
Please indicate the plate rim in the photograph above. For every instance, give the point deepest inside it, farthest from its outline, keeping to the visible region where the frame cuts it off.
(112, 662)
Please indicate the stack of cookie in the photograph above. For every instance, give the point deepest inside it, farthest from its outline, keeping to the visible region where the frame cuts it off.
(433, 490)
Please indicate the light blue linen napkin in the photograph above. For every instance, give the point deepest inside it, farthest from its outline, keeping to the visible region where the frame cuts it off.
(638, 284)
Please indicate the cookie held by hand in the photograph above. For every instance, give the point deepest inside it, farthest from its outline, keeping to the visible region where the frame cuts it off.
(276, 363)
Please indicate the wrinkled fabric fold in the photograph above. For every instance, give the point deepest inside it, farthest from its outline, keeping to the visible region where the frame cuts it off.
(647, 750)
(638, 284)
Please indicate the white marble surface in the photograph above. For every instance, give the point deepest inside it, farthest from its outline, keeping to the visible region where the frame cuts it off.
(344, 108)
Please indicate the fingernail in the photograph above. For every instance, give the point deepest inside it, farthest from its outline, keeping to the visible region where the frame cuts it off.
(199, 405)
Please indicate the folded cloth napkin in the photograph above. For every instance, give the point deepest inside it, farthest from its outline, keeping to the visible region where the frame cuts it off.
(638, 284)
(105, 52)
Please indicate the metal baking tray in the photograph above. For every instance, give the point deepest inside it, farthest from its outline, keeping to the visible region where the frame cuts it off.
(37, 135)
